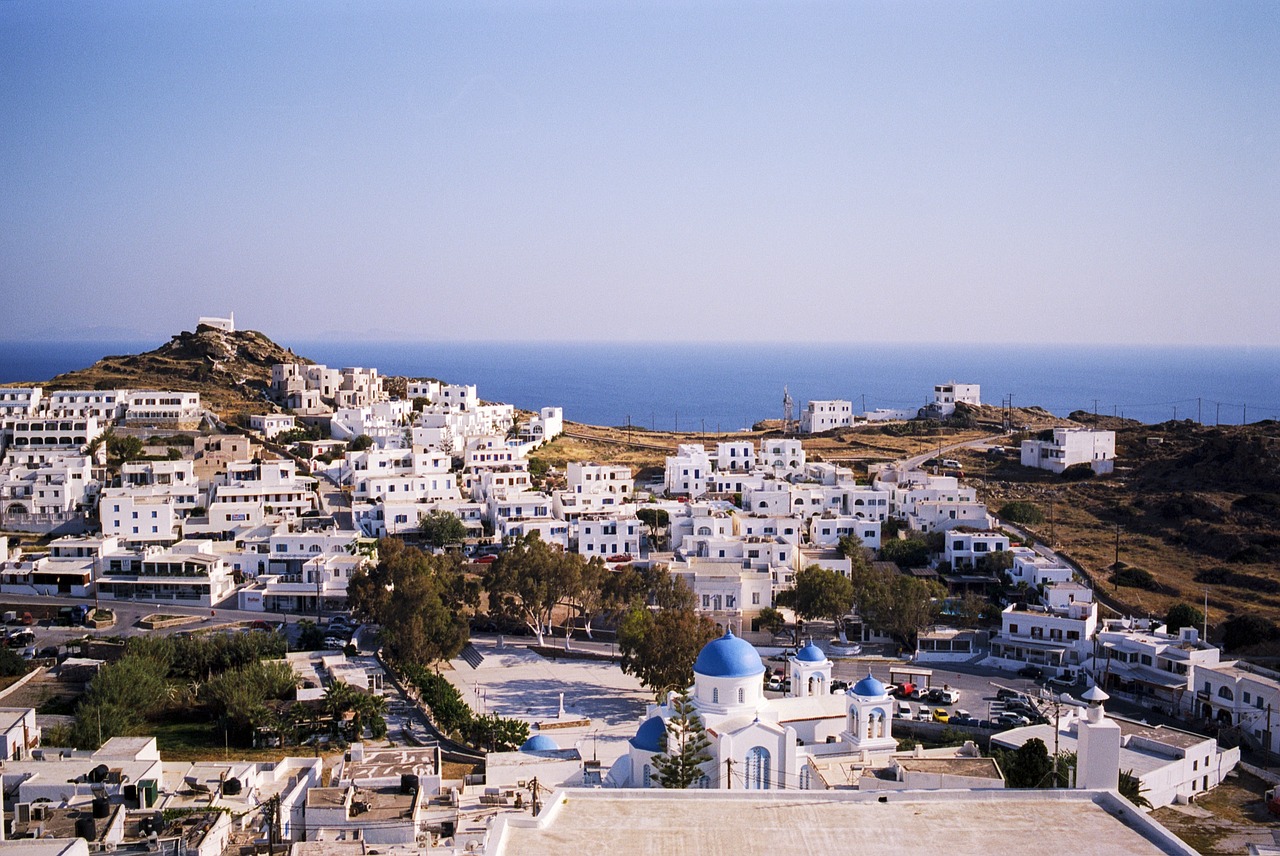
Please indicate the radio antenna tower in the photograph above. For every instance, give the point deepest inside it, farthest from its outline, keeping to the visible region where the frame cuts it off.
(788, 410)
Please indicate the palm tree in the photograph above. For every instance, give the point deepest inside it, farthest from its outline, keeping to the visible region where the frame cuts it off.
(1131, 788)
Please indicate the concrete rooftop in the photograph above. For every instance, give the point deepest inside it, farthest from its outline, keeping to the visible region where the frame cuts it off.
(714, 823)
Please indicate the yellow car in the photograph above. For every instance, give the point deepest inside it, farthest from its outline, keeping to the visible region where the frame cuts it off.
(940, 715)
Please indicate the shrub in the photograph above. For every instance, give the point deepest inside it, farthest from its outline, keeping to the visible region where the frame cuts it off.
(1241, 631)
(1078, 472)
(1134, 578)
(1019, 511)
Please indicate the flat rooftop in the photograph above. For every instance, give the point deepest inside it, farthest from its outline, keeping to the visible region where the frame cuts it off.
(657, 823)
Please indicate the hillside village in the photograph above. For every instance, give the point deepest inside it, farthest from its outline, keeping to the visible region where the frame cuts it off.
(279, 501)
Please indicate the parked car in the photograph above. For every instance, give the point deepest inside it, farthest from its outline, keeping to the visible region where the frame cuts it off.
(940, 715)
(919, 694)
(1030, 672)
(924, 714)
(964, 720)
(1061, 683)
(904, 689)
(1010, 720)
(944, 696)
(903, 711)
(334, 642)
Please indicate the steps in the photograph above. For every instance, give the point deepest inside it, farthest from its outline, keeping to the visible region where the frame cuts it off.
(472, 656)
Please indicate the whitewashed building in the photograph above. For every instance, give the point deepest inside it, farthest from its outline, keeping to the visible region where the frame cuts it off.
(820, 416)
(1060, 640)
(1070, 446)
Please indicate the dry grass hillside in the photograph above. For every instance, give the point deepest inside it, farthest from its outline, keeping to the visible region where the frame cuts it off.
(1196, 507)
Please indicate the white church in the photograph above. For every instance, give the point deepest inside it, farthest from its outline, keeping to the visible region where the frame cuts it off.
(759, 743)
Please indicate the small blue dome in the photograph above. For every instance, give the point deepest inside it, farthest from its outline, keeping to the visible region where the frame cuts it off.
(810, 654)
(651, 736)
(539, 743)
(868, 687)
(728, 657)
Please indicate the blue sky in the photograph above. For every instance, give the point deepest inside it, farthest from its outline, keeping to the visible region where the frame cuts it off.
(1070, 172)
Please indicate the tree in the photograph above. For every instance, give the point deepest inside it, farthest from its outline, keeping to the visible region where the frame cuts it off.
(1028, 766)
(439, 528)
(528, 580)
(589, 591)
(681, 764)
(658, 646)
(906, 553)
(655, 519)
(496, 734)
(896, 603)
(772, 621)
(1182, 615)
(421, 601)
(823, 593)
(995, 564)
(1130, 787)
(360, 444)
(123, 449)
(310, 636)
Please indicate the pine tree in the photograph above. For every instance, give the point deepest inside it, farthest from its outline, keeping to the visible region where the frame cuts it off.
(681, 765)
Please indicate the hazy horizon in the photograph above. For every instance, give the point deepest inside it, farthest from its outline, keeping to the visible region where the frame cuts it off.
(1074, 173)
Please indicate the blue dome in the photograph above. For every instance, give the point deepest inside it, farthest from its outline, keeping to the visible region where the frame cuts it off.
(868, 687)
(728, 657)
(651, 736)
(539, 743)
(810, 654)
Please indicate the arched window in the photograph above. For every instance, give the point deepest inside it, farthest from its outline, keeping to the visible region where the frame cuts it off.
(758, 771)
(704, 530)
(1225, 692)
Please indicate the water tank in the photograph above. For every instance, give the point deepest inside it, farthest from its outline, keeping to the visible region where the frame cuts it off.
(408, 783)
(99, 773)
(101, 807)
(85, 828)
(231, 787)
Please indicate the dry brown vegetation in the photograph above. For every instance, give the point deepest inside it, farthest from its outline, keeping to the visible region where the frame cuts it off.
(1225, 820)
(1194, 506)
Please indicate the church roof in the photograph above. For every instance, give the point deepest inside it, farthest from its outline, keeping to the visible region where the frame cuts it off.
(868, 687)
(539, 743)
(728, 657)
(651, 736)
(810, 654)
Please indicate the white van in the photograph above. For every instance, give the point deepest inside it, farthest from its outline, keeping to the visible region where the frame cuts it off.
(904, 711)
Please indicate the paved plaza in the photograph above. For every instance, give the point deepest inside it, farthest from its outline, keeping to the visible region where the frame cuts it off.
(602, 705)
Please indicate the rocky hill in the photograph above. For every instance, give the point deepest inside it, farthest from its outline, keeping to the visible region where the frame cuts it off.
(231, 371)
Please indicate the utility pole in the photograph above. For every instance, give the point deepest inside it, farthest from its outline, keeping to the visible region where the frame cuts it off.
(1217, 413)
(1244, 414)
(1095, 408)
(1117, 562)
(1198, 419)
(533, 786)
(728, 763)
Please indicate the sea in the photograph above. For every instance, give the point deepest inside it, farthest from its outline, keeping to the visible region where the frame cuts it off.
(726, 387)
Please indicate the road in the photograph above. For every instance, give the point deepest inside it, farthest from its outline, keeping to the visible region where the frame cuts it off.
(915, 461)
(129, 612)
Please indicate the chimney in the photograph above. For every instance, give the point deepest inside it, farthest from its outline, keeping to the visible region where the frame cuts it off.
(1098, 755)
